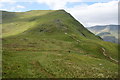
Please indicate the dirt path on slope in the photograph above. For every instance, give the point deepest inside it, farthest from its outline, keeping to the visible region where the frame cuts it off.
(109, 57)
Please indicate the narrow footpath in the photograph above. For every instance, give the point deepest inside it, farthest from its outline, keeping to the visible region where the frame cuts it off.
(109, 57)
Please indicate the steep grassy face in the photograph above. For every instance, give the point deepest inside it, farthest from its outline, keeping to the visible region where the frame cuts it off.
(52, 44)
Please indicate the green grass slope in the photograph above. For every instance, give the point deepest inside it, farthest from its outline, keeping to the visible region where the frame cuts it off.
(52, 44)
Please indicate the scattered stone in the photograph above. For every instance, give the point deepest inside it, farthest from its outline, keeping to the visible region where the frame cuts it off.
(100, 75)
(65, 33)
(4, 73)
(69, 51)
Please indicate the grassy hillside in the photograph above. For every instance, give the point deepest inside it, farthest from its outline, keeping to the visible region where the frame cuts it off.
(52, 44)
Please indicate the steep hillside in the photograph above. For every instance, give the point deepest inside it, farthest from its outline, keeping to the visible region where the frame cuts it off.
(52, 44)
(107, 32)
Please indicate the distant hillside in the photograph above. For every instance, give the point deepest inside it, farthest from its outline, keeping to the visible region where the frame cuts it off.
(107, 32)
(53, 44)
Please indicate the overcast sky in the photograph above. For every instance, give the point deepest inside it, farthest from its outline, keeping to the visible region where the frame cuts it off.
(87, 12)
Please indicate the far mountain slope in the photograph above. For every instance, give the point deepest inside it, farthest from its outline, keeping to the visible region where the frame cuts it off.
(107, 32)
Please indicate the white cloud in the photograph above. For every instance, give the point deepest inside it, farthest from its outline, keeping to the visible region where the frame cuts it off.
(13, 8)
(4, 2)
(19, 6)
(1, 5)
(57, 0)
(61, 4)
(53, 4)
(9, 9)
(96, 14)
(8, 1)
(57, 4)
